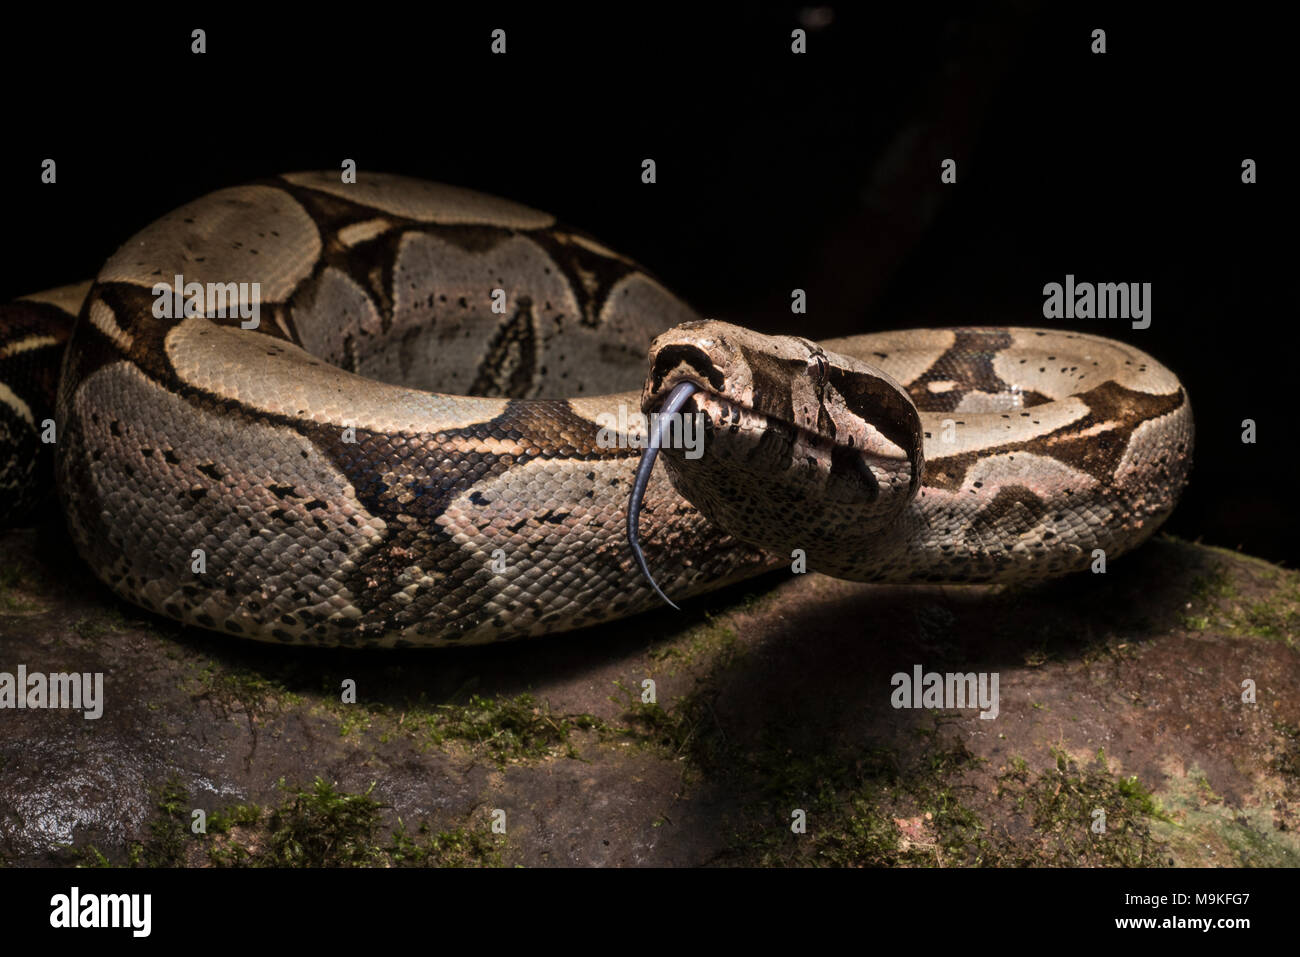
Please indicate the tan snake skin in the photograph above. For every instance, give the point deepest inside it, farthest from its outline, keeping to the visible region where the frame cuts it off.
(297, 482)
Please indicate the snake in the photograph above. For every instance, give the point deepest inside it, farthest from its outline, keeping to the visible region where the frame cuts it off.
(384, 412)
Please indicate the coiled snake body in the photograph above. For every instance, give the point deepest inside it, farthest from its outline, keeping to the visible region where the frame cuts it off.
(301, 482)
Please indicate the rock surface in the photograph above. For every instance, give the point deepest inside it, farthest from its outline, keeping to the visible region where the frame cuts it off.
(1122, 736)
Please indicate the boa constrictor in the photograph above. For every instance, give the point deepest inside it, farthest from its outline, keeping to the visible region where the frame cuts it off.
(302, 481)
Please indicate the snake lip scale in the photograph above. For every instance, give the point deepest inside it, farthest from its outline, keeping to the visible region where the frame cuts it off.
(411, 446)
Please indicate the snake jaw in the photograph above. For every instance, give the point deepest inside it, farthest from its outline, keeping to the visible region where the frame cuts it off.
(676, 399)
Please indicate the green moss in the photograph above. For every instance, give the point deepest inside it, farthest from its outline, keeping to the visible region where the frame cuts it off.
(710, 639)
(1109, 647)
(507, 729)
(455, 848)
(1206, 591)
(111, 619)
(1216, 602)
(168, 830)
(91, 856)
(1287, 760)
(227, 829)
(862, 836)
(229, 854)
(1063, 805)
(316, 826)
(10, 601)
(1278, 618)
(1204, 831)
(354, 719)
(852, 794)
(238, 815)
(649, 723)
(225, 684)
(871, 810)
(1214, 584)
(322, 826)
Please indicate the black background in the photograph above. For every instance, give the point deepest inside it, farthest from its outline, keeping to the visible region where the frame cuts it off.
(775, 171)
(718, 910)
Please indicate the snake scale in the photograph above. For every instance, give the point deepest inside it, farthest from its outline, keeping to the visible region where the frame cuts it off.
(430, 433)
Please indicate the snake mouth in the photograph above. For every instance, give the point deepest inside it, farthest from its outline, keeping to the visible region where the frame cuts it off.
(844, 459)
(729, 415)
(785, 437)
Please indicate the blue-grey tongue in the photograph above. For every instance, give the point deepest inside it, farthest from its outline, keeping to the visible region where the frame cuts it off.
(676, 398)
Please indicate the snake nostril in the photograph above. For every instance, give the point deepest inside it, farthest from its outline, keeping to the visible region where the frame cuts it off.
(670, 357)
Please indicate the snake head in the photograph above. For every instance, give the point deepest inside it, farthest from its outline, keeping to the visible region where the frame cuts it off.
(802, 448)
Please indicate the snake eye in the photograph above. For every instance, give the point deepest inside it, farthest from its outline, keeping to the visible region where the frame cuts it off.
(818, 363)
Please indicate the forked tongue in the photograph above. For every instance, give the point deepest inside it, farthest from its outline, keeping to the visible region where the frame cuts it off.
(676, 399)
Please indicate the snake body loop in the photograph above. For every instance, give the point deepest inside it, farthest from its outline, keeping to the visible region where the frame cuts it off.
(431, 435)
